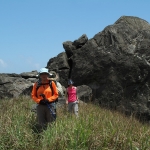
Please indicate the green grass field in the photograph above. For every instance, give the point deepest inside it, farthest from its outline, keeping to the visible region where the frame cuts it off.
(95, 129)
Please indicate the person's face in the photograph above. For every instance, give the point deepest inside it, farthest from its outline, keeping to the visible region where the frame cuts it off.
(70, 85)
(44, 77)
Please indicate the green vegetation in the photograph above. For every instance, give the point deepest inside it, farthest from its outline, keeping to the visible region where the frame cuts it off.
(95, 129)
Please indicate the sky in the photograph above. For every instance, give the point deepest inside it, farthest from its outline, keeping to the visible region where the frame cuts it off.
(32, 31)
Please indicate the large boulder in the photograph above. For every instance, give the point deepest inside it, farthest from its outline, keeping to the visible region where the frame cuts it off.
(115, 63)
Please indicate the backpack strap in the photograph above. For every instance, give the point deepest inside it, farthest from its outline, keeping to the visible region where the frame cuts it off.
(38, 84)
(50, 84)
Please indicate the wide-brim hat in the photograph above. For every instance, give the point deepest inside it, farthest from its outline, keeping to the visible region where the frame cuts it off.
(53, 76)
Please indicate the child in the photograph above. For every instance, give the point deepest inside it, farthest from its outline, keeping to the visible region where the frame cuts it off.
(72, 98)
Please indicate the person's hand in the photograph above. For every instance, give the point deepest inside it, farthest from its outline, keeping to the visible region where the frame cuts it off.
(66, 102)
(46, 101)
(43, 96)
(43, 102)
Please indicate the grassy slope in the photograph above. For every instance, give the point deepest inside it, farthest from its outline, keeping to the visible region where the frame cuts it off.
(96, 128)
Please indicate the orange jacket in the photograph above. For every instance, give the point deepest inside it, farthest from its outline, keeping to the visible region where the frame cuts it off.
(46, 90)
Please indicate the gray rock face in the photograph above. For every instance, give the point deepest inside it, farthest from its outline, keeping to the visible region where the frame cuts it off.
(60, 65)
(13, 85)
(84, 93)
(114, 64)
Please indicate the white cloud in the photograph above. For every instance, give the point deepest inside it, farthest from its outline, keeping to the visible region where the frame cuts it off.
(2, 63)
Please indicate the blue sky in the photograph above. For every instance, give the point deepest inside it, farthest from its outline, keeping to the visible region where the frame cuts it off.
(32, 31)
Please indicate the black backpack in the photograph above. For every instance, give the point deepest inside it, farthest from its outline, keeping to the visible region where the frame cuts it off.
(38, 84)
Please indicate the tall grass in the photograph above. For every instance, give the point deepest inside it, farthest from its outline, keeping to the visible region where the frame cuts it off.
(94, 129)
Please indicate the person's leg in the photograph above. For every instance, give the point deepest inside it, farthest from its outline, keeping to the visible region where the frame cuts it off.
(70, 105)
(75, 108)
(41, 115)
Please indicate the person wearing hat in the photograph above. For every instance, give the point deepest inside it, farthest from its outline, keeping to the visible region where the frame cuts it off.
(45, 98)
(72, 98)
(54, 76)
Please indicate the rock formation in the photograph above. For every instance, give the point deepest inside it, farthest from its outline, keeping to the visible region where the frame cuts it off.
(13, 85)
(115, 64)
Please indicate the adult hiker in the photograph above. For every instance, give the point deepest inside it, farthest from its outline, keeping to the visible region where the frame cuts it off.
(55, 78)
(72, 98)
(45, 97)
